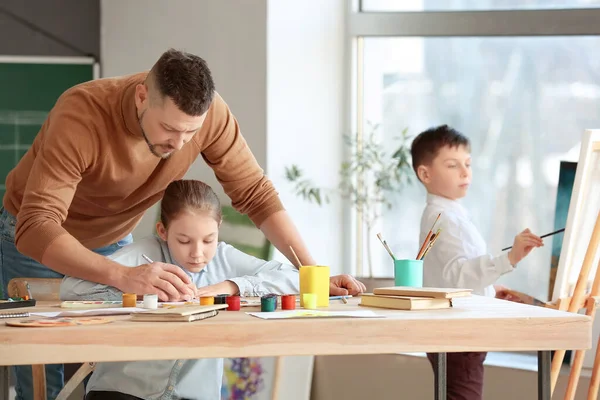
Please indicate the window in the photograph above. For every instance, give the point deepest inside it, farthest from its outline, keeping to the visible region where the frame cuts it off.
(524, 102)
(464, 5)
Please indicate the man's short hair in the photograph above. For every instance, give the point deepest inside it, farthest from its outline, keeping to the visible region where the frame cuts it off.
(185, 78)
(426, 146)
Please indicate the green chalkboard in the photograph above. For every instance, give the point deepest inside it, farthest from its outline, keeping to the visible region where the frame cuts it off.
(29, 87)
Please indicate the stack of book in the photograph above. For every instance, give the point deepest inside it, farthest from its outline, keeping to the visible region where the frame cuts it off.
(411, 298)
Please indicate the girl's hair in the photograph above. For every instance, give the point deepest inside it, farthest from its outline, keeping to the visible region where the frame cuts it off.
(189, 195)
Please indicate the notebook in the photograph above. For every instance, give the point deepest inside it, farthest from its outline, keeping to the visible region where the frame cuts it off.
(180, 314)
(404, 302)
(14, 315)
(438, 293)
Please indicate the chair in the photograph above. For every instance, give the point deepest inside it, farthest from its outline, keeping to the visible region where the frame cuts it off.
(47, 289)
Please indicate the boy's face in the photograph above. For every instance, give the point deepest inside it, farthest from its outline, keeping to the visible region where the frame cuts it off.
(449, 174)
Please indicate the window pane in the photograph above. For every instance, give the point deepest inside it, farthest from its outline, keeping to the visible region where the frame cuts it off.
(524, 102)
(472, 5)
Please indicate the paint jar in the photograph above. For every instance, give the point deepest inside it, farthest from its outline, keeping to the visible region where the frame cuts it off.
(233, 303)
(268, 303)
(315, 279)
(309, 300)
(207, 301)
(129, 300)
(151, 301)
(288, 302)
(221, 299)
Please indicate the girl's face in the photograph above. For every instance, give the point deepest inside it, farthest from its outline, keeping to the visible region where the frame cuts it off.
(192, 239)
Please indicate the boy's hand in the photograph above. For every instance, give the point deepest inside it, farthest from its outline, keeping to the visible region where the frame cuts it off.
(504, 293)
(226, 287)
(522, 246)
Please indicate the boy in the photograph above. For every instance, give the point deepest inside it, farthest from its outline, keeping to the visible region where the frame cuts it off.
(442, 161)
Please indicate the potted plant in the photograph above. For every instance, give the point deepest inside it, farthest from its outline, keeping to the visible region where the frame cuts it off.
(368, 178)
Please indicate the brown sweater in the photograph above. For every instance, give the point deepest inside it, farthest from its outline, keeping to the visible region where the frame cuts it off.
(89, 172)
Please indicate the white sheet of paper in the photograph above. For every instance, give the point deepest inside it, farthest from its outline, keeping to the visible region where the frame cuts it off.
(90, 312)
(315, 314)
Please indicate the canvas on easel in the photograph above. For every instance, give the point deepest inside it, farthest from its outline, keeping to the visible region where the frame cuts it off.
(577, 282)
(583, 208)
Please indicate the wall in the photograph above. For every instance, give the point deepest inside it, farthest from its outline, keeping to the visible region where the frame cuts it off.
(229, 34)
(73, 21)
(305, 114)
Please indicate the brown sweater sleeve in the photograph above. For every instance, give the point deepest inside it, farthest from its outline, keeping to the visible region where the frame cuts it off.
(67, 148)
(236, 168)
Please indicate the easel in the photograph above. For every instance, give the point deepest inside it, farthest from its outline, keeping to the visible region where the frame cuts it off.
(579, 300)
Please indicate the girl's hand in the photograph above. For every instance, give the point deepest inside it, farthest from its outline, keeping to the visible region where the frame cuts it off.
(226, 287)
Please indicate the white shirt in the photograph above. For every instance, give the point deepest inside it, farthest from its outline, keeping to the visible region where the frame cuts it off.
(176, 379)
(459, 257)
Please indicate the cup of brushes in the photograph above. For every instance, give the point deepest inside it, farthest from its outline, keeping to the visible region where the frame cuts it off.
(314, 280)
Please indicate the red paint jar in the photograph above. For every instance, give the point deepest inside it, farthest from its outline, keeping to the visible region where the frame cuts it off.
(233, 303)
(288, 302)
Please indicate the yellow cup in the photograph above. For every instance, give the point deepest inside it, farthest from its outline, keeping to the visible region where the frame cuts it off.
(309, 300)
(315, 279)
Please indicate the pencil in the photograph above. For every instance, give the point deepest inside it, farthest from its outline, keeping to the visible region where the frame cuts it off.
(147, 258)
(541, 237)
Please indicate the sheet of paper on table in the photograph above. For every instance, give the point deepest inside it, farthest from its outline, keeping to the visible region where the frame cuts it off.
(315, 314)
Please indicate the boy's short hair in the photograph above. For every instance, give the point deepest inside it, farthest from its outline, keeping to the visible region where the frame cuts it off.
(426, 146)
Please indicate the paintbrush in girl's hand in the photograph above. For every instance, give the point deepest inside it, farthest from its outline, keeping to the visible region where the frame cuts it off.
(541, 237)
(384, 243)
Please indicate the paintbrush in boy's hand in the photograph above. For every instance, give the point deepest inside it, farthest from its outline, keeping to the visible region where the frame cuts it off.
(541, 237)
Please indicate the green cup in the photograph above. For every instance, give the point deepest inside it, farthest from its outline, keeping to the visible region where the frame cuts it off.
(408, 273)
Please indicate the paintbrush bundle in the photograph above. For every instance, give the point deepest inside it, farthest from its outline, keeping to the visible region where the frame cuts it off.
(179, 314)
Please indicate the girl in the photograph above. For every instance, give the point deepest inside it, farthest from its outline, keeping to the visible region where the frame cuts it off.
(187, 237)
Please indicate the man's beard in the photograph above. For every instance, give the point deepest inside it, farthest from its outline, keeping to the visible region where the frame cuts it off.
(151, 146)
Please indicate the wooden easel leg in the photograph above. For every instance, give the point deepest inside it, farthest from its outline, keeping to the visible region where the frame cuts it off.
(440, 374)
(39, 381)
(595, 381)
(544, 389)
(577, 363)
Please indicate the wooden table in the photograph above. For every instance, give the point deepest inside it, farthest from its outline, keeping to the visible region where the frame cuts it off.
(473, 324)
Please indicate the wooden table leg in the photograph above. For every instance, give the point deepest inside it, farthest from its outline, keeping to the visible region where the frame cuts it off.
(39, 381)
(544, 363)
(4, 382)
(440, 376)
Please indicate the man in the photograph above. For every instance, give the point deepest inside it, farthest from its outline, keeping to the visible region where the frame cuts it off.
(105, 154)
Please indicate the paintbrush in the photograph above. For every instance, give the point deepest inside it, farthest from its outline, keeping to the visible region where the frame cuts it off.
(296, 257)
(384, 243)
(427, 238)
(541, 237)
(434, 238)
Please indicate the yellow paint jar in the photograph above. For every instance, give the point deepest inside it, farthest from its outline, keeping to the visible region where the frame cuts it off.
(129, 300)
(309, 300)
(207, 301)
(315, 279)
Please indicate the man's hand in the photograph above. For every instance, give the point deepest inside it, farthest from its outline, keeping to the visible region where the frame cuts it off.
(168, 281)
(227, 287)
(342, 285)
(523, 244)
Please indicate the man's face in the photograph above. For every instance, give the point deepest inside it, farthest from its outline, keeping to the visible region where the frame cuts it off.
(165, 127)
